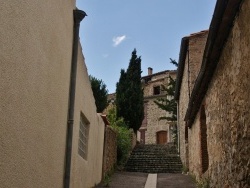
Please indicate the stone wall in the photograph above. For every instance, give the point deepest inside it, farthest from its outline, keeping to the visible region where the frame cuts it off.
(156, 80)
(110, 150)
(197, 42)
(152, 111)
(194, 148)
(193, 61)
(182, 107)
(153, 123)
(227, 109)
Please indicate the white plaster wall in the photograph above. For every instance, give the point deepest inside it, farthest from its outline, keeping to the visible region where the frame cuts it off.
(87, 173)
(35, 51)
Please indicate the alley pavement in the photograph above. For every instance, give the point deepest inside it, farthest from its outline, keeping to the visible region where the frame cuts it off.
(138, 180)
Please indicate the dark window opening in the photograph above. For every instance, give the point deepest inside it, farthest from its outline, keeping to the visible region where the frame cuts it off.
(157, 90)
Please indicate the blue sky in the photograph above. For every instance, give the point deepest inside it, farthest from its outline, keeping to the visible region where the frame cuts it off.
(113, 28)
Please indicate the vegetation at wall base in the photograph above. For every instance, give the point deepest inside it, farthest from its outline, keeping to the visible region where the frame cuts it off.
(107, 178)
(185, 169)
(204, 183)
(123, 137)
(129, 94)
(123, 144)
(100, 93)
(201, 183)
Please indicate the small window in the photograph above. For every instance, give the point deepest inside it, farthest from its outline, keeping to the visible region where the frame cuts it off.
(157, 90)
(83, 138)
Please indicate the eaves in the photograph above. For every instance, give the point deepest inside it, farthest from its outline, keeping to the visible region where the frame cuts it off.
(220, 27)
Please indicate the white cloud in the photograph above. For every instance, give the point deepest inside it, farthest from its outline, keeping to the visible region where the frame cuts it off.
(118, 40)
(105, 55)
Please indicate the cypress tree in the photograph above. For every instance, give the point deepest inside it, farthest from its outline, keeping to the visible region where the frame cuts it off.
(129, 94)
(121, 99)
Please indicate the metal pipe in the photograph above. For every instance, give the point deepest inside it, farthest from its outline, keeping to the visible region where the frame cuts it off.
(78, 17)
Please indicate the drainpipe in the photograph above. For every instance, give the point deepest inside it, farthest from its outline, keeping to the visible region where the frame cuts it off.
(78, 17)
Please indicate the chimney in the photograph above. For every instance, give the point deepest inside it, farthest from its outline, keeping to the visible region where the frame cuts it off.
(150, 71)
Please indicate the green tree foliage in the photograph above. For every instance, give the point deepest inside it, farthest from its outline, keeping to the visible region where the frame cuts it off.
(113, 119)
(124, 143)
(121, 100)
(100, 93)
(173, 62)
(168, 103)
(129, 94)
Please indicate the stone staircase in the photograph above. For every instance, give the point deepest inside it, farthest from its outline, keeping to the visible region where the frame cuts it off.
(154, 159)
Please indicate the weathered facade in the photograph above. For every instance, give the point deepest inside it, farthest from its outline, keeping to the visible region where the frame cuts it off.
(192, 48)
(35, 73)
(217, 115)
(153, 130)
(110, 151)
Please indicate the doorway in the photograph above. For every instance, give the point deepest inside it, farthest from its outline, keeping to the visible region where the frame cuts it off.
(162, 137)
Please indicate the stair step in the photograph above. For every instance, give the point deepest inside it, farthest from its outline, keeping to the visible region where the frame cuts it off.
(154, 159)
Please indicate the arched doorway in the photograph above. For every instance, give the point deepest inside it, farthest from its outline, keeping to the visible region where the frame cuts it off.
(162, 137)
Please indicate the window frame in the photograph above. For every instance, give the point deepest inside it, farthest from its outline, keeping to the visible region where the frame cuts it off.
(157, 90)
(83, 137)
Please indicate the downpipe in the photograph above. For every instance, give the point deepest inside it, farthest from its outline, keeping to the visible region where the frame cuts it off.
(78, 17)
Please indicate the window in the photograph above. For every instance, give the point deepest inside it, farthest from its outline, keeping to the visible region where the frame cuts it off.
(83, 138)
(157, 90)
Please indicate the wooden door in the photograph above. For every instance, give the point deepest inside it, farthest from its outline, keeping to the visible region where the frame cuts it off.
(161, 137)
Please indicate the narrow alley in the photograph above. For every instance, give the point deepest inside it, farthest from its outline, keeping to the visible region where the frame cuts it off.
(151, 166)
(78, 110)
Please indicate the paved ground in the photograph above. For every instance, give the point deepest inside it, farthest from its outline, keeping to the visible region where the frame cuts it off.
(127, 179)
(138, 180)
(174, 181)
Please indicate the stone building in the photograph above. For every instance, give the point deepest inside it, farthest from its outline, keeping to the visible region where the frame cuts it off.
(191, 53)
(153, 130)
(50, 134)
(214, 118)
(111, 102)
